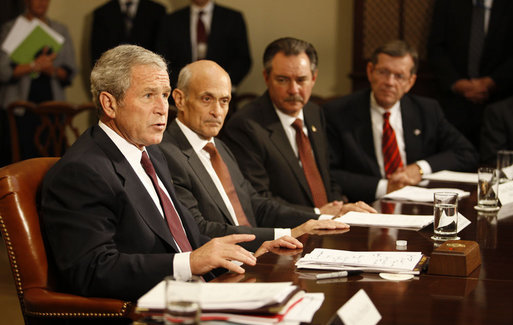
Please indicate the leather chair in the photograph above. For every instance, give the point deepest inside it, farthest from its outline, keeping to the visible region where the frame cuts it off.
(52, 135)
(34, 275)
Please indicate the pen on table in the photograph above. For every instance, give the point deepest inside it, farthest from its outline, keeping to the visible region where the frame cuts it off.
(339, 274)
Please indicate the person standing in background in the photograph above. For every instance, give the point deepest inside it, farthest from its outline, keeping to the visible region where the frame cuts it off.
(205, 30)
(471, 53)
(125, 22)
(43, 79)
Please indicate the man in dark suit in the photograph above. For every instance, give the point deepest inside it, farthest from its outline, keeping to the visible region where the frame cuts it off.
(497, 131)
(264, 138)
(202, 98)
(125, 22)
(472, 70)
(425, 141)
(223, 40)
(112, 224)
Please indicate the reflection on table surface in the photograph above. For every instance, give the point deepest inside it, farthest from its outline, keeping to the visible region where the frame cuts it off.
(484, 297)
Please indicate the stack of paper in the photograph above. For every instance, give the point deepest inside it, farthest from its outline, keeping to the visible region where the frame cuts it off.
(28, 37)
(390, 262)
(244, 303)
(404, 221)
(422, 194)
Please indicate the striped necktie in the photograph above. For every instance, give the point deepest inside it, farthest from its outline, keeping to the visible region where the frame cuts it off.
(391, 157)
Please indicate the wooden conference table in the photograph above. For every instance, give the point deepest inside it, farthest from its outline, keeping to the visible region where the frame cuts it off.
(484, 297)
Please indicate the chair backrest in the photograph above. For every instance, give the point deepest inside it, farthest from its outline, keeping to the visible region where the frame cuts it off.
(33, 273)
(52, 135)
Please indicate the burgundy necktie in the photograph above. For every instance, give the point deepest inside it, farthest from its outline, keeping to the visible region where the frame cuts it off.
(391, 157)
(313, 177)
(225, 178)
(201, 36)
(172, 218)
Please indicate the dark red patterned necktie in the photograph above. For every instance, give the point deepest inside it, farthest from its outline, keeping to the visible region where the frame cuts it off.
(172, 218)
(391, 157)
(313, 177)
(225, 178)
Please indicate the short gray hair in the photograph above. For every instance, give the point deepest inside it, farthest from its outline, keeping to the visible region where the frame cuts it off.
(290, 46)
(184, 78)
(112, 71)
(397, 49)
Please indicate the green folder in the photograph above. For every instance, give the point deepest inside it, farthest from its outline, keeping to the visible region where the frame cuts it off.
(32, 44)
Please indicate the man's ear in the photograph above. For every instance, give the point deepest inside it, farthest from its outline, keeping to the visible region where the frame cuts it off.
(179, 97)
(109, 104)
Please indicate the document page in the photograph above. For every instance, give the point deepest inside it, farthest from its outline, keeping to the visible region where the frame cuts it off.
(422, 194)
(403, 221)
(449, 176)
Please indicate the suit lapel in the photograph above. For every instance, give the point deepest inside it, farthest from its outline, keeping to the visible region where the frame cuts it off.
(278, 137)
(198, 168)
(134, 188)
(412, 128)
(363, 131)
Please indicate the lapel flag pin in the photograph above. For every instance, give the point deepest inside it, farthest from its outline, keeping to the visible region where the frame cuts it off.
(417, 132)
(314, 129)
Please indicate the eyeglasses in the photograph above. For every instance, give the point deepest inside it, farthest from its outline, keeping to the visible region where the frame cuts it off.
(385, 74)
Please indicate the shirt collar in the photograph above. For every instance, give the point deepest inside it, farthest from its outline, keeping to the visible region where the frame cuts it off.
(375, 107)
(131, 152)
(194, 139)
(286, 119)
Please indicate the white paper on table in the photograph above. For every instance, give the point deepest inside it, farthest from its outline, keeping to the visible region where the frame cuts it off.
(377, 260)
(450, 176)
(404, 221)
(506, 192)
(508, 171)
(305, 310)
(462, 222)
(359, 310)
(506, 211)
(422, 194)
(224, 295)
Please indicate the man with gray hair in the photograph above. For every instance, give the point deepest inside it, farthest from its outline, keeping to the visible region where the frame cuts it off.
(279, 139)
(109, 211)
(383, 139)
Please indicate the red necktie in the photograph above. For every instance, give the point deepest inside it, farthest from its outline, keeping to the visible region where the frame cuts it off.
(313, 177)
(172, 218)
(201, 36)
(391, 157)
(225, 178)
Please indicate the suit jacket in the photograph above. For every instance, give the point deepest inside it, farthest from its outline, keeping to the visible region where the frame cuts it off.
(427, 136)
(449, 42)
(227, 42)
(109, 27)
(448, 46)
(257, 139)
(102, 228)
(196, 190)
(497, 131)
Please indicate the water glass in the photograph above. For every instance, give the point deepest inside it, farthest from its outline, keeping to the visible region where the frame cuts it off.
(182, 301)
(487, 188)
(505, 165)
(445, 223)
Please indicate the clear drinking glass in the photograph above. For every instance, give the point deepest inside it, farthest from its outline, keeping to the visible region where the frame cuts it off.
(445, 223)
(487, 188)
(505, 165)
(182, 301)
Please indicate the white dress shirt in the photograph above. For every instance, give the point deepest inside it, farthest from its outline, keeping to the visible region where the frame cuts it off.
(181, 262)
(197, 143)
(395, 119)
